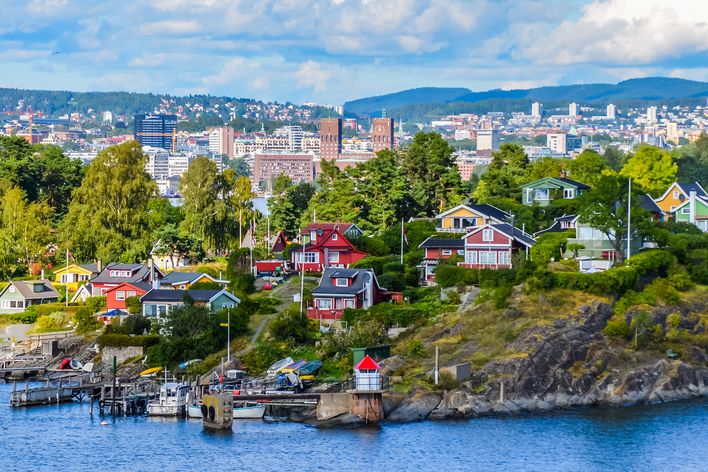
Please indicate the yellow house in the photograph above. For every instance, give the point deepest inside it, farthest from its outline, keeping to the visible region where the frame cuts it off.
(462, 217)
(75, 274)
(677, 194)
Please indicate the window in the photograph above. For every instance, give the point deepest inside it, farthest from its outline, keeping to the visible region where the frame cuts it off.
(686, 211)
(334, 236)
(120, 295)
(324, 303)
(349, 303)
(333, 257)
(461, 252)
(568, 193)
(676, 194)
(488, 235)
(504, 258)
(447, 252)
(130, 293)
(471, 257)
(113, 273)
(540, 194)
(313, 235)
(488, 257)
(341, 282)
(312, 257)
(11, 289)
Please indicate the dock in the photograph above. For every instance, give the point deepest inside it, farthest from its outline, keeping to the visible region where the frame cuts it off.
(63, 389)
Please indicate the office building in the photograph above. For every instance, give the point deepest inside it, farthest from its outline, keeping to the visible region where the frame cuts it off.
(155, 130)
(292, 135)
(573, 110)
(672, 132)
(157, 165)
(382, 136)
(611, 111)
(487, 140)
(556, 142)
(536, 109)
(221, 141)
(330, 138)
(268, 166)
(651, 115)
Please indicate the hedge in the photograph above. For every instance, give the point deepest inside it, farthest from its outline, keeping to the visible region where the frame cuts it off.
(451, 276)
(122, 340)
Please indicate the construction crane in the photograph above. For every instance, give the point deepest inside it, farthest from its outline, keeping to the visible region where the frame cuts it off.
(173, 134)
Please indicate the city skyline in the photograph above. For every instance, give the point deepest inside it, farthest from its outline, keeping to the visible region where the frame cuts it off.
(334, 51)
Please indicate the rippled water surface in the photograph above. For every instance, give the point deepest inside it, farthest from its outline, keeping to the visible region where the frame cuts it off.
(66, 438)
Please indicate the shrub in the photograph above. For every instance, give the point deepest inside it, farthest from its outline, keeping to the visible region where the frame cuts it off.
(86, 321)
(617, 326)
(261, 357)
(697, 261)
(133, 305)
(375, 263)
(122, 340)
(500, 299)
(242, 283)
(96, 304)
(416, 348)
(392, 281)
(451, 276)
(681, 281)
(393, 267)
(292, 327)
(548, 246)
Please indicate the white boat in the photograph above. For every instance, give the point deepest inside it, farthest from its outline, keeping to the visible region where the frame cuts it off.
(275, 369)
(195, 411)
(173, 400)
(252, 411)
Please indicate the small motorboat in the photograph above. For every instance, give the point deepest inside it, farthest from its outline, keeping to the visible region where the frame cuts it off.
(248, 410)
(275, 369)
(172, 401)
(184, 365)
(195, 411)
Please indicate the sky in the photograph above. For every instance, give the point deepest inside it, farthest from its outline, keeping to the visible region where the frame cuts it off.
(331, 51)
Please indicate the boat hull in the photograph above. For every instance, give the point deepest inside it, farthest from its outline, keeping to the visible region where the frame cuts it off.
(194, 411)
(166, 410)
(249, 412)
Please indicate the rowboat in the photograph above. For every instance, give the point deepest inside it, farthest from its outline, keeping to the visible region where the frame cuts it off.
(251, 411)
(151, 372)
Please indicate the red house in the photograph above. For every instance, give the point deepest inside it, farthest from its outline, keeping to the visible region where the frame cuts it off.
(116, 296)
(346, 288)
(327, 247)
(115, 274)
(436, 249)
(492, 246)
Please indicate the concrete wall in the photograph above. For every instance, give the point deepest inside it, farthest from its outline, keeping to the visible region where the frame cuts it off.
(333, 404)
(121, 353)
(459, 372)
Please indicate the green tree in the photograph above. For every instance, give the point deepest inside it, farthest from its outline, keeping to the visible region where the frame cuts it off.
(432, 174)
(336, 200)
(506, 173)
(604, 207)
(26, 227)
(651, 168)
(614, 158)
(288, 203)
(171, 243)
(692, 162)
(587, 167)
(107, 217)
(547, 167)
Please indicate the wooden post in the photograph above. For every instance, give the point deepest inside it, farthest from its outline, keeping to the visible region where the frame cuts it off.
(501, 392)
(113, 390)
(91, 407)
(436, 373)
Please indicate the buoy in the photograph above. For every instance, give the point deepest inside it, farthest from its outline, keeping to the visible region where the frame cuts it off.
(104, 423)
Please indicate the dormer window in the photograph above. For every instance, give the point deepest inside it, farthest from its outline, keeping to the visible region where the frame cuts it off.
(334, 236)
(341, 282)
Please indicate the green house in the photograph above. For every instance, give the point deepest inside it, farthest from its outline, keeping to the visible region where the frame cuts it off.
(695, 211)
(20, 294)
(543, 191)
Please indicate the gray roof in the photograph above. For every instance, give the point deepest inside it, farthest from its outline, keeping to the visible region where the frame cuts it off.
(27, 292)
(90, 267)
(490, 210)
(574, 183)
(359, 279)
(649, 204)
(167, 295)
(178, 277)
(446, 243)
(141, 272)
(556, 226)
(689, 187)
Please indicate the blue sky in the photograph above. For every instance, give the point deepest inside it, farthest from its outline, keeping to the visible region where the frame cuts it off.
(330, 51)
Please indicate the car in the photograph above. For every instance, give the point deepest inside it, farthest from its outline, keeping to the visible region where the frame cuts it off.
(267, 286)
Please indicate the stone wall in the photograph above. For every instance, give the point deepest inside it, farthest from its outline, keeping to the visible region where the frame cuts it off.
(122, 354)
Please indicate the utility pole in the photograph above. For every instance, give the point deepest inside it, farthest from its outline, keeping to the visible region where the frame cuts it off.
(67, 275)
(228, 335)
(302, 272)
(401, 240)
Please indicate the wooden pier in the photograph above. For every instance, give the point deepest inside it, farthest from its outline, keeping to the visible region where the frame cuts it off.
(63, 389)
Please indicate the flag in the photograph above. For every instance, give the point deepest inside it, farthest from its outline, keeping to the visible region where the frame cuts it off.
(405, 235)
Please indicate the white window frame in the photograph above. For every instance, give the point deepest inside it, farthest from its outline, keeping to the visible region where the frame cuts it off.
(334, 236)
(676, 194)
(312, 258)
(333, 257)
(487, 235)
(324, 303)
(504, 258)
(484, 258)
(447, 252)
(349, 303)
(471, 257)
(461, 252)
(12, 289)
(120, 294)
(341, 282)
(686, 211)
(568, 193)
(130, 293)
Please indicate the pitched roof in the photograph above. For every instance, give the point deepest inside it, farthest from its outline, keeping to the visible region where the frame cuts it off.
(359, 278)
(560, 182)
(648, 203)
(483, 209)
(143, 286)
(367, 363)
(167, 295)
(689, 187)
(174, 278)
(90, 267)
(342, 227)
(88, 288)
(451, 243)
(140, 273)
(556, 227)
(25, 288)
(509, 231)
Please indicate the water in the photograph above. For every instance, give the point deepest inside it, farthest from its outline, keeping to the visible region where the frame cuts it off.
(64, 437)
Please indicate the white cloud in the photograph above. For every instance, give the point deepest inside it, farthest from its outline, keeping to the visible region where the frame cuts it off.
(315, 75)
(170, 27)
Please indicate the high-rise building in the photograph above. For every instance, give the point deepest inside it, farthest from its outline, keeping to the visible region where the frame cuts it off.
(536, 109)
(487, 140)
(672, 132)
(157, 164)
(651, 115)
(293, 134)
(611, 111)
(221, 141)
(330, 138)
(382, 134)
(573, 110)
(155, 130)
(268, 166)
(556, 142)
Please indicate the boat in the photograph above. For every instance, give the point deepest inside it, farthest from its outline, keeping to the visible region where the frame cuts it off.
(274, 369)
(150, 372)
(293, 367)
(195, 411)
(173, 400)
(184, 365)
(249, 411)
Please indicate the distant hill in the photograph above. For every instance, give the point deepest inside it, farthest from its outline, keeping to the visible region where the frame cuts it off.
(410, 103)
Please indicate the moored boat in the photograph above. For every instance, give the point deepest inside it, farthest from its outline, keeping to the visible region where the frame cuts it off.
(248, 411)
(173, 400)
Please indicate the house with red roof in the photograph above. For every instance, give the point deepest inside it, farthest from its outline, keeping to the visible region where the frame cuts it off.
(349, 230)
(327, 247)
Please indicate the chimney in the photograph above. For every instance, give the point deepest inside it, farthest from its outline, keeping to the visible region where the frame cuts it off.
(99, 265)
(692, 207)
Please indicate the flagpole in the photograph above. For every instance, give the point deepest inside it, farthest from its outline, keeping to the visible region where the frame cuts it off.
(67, 270)
(629, 216)
(251, 242)
(240, 228)
(269, 245)
(401, 240)
(302, 270)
